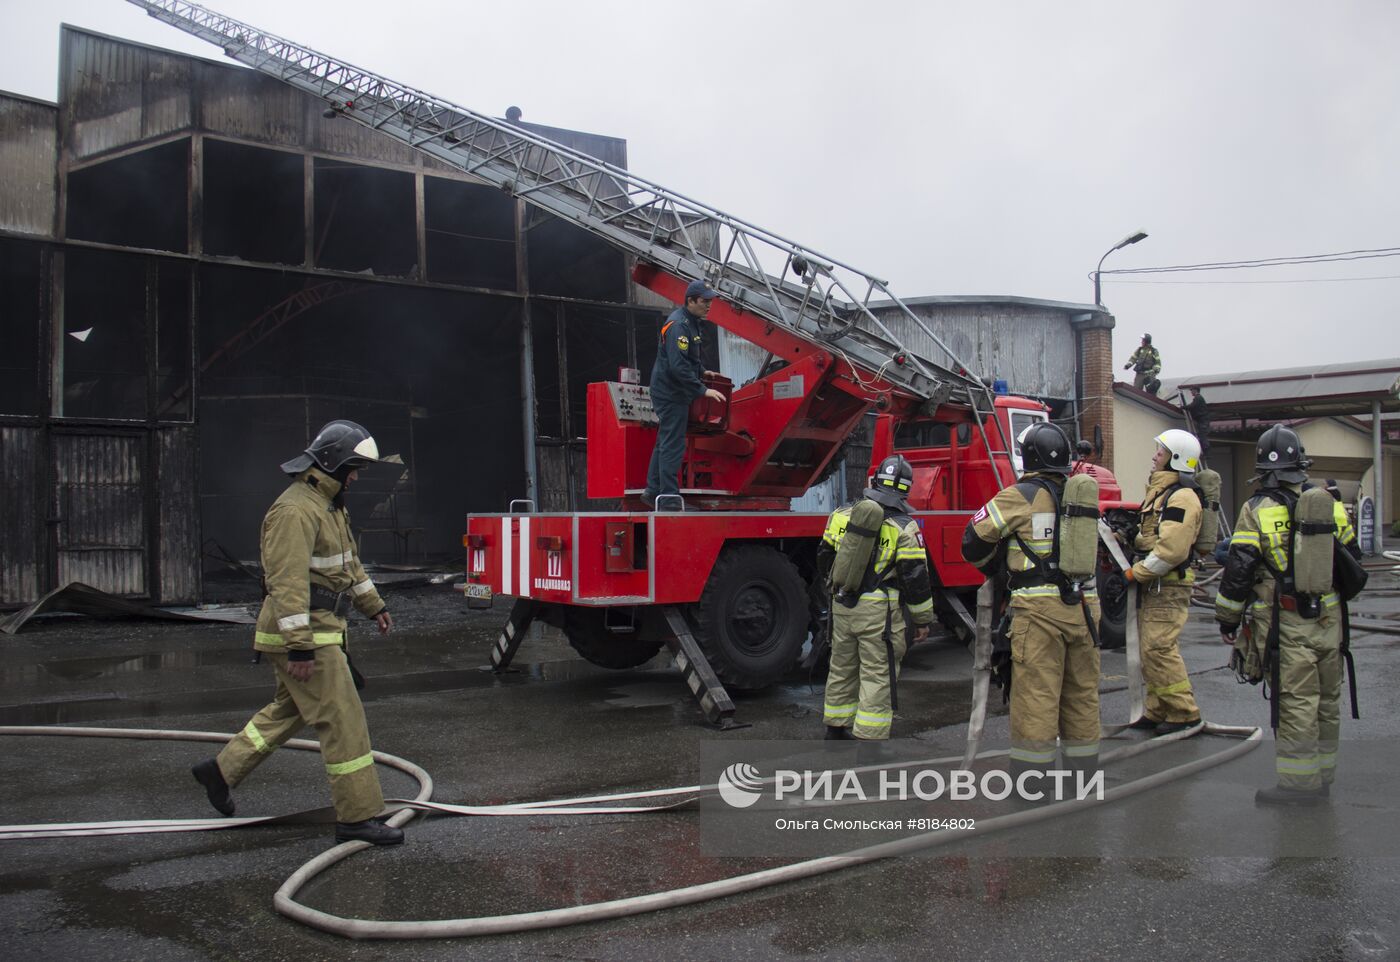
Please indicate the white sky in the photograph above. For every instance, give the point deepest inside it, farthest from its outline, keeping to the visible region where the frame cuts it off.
(977, 147)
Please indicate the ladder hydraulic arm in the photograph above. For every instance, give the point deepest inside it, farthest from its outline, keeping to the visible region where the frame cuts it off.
(829, 307)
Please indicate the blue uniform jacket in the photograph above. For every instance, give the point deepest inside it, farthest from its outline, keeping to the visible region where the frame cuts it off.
(677, 374)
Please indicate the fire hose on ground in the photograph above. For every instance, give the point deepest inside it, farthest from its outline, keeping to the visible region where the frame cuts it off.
(285, 898)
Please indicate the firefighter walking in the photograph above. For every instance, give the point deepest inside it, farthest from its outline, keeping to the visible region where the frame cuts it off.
(1168, 524)
(312, 578)
(867, 624)
(1287, 637)
(1055, 662)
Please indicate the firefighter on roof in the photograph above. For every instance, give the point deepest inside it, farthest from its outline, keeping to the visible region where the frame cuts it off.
(1147, 362)
(1055, 663)
(867, 627)
(1285, 635)
(312, 577)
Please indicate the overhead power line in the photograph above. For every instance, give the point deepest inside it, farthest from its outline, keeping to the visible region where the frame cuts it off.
(1335, 257)
(1281, 280)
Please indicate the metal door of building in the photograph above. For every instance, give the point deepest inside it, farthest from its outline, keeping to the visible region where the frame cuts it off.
(99, 511)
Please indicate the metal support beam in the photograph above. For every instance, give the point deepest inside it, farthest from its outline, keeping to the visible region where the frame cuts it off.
(709, 691)
(1378, 466)
(527, 357)
(522, 613)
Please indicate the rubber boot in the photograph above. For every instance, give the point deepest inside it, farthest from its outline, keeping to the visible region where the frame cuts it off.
(1171, 728)
(838, 733)
(207, 774)
(1278, 795)
(874, 752)
(1088, 764)
(372, 830)
(1145, 724)
(1045, 786)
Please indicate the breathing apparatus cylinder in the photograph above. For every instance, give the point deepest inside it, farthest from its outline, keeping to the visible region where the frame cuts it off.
(1079, 528)
(1314, 527)
(1208, 482)
(858, 543)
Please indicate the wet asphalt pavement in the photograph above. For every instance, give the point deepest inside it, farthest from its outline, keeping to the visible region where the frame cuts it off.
(1190, 871)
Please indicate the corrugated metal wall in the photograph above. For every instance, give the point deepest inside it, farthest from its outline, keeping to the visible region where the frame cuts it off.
(22, 520)
(1032, 348)
(118, 93)
(29, 158)
(179, 516)
(101, 511)
(243, 104)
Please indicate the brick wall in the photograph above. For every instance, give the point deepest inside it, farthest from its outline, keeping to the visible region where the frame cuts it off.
(1096, 374)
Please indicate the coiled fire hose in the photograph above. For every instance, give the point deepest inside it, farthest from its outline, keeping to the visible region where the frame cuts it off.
(285, 898)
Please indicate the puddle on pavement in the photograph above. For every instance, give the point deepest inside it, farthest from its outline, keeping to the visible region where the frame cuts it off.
(86, 669)
(110, 705)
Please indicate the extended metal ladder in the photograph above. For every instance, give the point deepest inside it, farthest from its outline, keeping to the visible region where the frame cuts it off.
(831, 305)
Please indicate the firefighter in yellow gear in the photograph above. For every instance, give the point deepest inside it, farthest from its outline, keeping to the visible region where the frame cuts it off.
(1055, 663)
(1146, 362)
(312, 576)
(1168, 523)
(1303, 633)
(867, 626)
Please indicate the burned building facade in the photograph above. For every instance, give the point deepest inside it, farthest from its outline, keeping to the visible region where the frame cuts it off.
(197, 269)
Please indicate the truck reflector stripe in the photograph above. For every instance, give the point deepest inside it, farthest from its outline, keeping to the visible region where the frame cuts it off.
(524, 557)
(506, 567)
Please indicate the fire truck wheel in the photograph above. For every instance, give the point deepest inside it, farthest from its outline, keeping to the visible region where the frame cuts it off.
(1113, 608)
(606, 649)
(752, 618)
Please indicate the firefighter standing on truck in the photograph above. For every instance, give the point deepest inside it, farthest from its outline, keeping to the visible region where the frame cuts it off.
(312, 576)
(677, 379)
(1289, 639)
(1054, 659)
(867, 625)
(1168, 523)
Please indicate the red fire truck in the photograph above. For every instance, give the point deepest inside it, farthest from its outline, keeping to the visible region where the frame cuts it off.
(727, 583)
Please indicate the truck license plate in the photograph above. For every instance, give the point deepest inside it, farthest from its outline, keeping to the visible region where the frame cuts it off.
(478, 596)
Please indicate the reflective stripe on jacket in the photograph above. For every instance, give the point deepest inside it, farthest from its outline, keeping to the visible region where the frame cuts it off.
(1167, 529)
(901, 562)
(306, 540)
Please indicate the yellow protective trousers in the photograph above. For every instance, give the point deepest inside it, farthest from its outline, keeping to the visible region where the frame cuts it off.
(330, 704)
(1309, 695)
(1054, 682)
(858, 681)
(1161, 616)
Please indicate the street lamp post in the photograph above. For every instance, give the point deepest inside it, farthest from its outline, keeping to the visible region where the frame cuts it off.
(1130, 239)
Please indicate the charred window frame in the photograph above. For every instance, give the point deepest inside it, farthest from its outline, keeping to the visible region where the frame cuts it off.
(253, 203)
(139, 199)
(470, 232)
(123, 341)
(366, 219)
(21, 309)
(567, 261)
